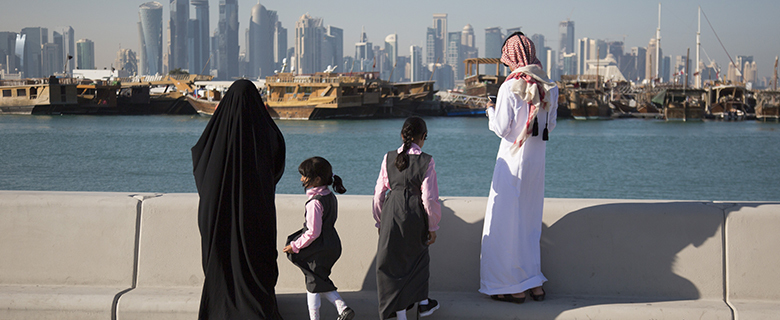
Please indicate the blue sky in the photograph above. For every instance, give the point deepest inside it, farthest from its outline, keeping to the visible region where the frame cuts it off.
(748, 27)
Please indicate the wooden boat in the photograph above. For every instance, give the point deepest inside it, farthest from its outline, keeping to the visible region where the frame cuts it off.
(729, 102)
(768, 105)
(586, 100)
(408, 98)
(326, 95)
(29, 96)
(681, 104)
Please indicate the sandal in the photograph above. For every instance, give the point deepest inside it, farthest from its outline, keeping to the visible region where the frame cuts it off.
(507, 298)
(537, 297)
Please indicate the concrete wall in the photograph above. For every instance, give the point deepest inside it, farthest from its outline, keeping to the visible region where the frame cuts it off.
(127, 256)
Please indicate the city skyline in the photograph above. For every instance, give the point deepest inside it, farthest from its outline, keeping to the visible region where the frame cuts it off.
(632, 21)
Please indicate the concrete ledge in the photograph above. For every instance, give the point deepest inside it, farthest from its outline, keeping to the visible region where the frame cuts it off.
(71, 255)
(66, 255)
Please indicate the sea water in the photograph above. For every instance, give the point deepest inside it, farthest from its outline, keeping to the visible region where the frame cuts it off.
(618, 159)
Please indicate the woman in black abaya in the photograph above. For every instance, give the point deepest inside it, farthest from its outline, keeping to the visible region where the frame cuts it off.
(237, 163)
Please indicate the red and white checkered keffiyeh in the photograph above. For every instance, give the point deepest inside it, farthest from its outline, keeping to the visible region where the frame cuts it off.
(519, 53)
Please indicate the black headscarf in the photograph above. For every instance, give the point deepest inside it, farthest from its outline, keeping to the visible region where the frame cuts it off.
(237, 163)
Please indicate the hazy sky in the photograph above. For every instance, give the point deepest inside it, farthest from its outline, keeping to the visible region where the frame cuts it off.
(747, 27)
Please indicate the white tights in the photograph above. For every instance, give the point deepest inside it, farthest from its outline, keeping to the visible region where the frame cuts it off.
(313, 300)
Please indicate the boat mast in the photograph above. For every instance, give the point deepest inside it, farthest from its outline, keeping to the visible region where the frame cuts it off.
(658, 46)
(775, 89)
(697, 78)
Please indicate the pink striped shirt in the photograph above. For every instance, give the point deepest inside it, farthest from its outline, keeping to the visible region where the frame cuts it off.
(430, 191)
(313, 219)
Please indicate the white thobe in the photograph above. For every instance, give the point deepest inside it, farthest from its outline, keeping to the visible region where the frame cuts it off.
(510, 259)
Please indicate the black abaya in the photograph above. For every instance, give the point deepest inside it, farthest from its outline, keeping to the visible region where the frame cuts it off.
(237, 163)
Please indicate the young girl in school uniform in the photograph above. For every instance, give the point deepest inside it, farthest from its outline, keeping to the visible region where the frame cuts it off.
(407, 217)
(316, 247)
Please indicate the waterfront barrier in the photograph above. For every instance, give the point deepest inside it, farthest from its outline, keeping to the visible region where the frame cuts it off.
(101, 255)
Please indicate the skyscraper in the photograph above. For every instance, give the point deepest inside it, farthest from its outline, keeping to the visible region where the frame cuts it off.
(391, 49)
(57, 62)
(8, 58)
(85, 54)
(35, 37)
(541, 52)
(651, 70)
(455, 54)
(468, 46)
(416, 60)
(364, 53)
(201, 42)
(127, 61)
(150, 32)
(440, 26)
(432, 47)
(333, 48)
(566, 32)
(179, 23)
(493, 41)
(227, 66)
(309, 35)
(260, 43)
(68, 48)
(50, 59)
(280, 45)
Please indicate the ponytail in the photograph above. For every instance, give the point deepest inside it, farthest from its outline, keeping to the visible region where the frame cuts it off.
(338, 185)
(413, 127)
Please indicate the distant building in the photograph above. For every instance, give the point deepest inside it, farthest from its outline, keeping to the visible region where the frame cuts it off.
(85, 54)
(468, 47)
(538, 41)
(442, 75)
(280, 46)
(455, 55)
(750, 73)
(364, 54)
(34, 39)
(432, 47)
(8, 58)
(309, 34)
(639, 55)
(440, 27)
(57, 64)
(570, 64)
(260, 42)
(548, 62)
(200, 49)
(566, 36)
(582, 54)
(179, 25)
(651, 69)
(679, 70)
(126, 60)
(227, 41)
(50, 59)
(391, 49)
(493, 41)
(151, 33)
(416, 63)
(333, 48)
(68, 48)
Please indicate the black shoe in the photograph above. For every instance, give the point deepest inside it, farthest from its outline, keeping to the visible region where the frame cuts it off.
(348, 314)
(539, 297)
(428, 309)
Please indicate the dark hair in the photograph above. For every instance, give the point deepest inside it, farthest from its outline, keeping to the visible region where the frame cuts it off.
(515, 34)
(413, 127)
(318, 167)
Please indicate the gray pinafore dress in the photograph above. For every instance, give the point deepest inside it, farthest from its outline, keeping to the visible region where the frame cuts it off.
(402, 259)
(317, 259)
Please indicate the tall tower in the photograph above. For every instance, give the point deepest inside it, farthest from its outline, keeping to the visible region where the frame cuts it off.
(150, 31)
(179, 21)
(68, 49)
(391, 49)
(35, 39)
(432, 47)
(280, 45)
(440, 27)
(309, 35)
(201, 40)
(416, 61)
(85, 53)
(364, 52)
(493, 41)
(333, 47)
(261, 41)
(566, 32)
(227, 45)
(541, 52)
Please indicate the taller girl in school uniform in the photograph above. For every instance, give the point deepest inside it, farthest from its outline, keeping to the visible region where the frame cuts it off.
(316, 247)
(407, 217)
